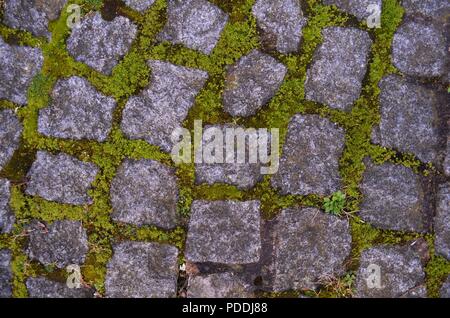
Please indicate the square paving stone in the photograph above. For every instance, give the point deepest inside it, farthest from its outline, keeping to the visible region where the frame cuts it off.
(358, 8)
(243, 175)
(310, 158)
(401, 273)
(220, 285)
(61, 178)
(393, 198)
(251, 83)
(18, 66)
(7, 217)
(5, 274)
(33, 16)
(61, 243)
(419, 49)
(442, 221)
(408, 118)
(281, 23)
(339, 65)
(77, 111)
(142, 270)
(41, 287)
(163, 105)
(309, 246)
(226, 232)
(145, 192)
(197, 24)
(139, 5)
(99, 43)
(10, 132)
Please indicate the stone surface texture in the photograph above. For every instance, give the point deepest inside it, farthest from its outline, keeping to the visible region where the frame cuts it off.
(226, 232)
(339, 66)
(77, 111)
(310, 246)
(142, 270)
(401, 272)
(358, 8)
(41, 287)
(220, 285)
(196, 24)
(251, 82)
(7, 217)
(32, 16)
(61, 178)
(310, 158)
(5, 273)
(281, 24)
(442, 221)
(409, 118)
(18, 66)
(61, 243)
(10, 132)
(99, 43)
(393, 198)
(145, 192)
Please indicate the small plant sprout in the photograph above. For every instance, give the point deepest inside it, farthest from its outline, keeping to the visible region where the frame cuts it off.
(335, 204)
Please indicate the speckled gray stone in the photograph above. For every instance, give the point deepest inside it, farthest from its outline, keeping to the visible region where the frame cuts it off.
(220, 285)
(145, 192)
(41, 287)
(309, 245)
(7, 218)
(139, 5)
(226, 232)
(18, 66)
(281, 24)
(435, 9)
(61, 243)
(408, 118)
(61, 178)
(338, 68)
(310, 159)
(5, 274)
(442, 221)
(142, 270)
(77, 111)
(445, 289)
(419, 49)
(161, 107)
(33, 16)
(251, 82)
(393, 198)
(402, 273)
(446, 164)
(358, 8)
(10, 131)
(197, 24)
(99, 43)
(243, 175)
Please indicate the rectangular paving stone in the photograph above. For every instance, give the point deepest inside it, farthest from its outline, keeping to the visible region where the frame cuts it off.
(309, 245)
(61, 178)
(393, 198)
(339, 65)
(41, 287)
(142, 270)
(310, 158)
(61, 243)
(226, 232)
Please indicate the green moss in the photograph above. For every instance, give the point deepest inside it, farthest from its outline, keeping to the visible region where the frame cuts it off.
(437, 271)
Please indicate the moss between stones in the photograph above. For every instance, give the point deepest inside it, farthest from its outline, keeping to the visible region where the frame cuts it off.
(238, 38)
